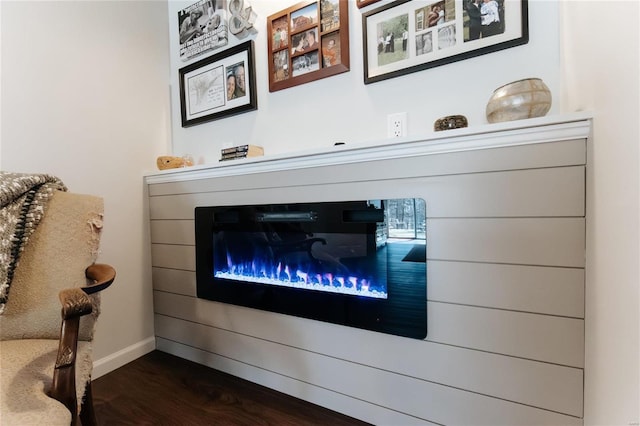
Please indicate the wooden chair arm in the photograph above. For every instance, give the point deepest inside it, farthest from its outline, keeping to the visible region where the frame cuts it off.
(75, 303)
(102, 276)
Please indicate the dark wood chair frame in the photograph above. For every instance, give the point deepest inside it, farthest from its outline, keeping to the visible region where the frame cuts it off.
(75, 304)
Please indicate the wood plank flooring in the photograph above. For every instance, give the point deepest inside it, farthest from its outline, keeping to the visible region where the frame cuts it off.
(161, 389)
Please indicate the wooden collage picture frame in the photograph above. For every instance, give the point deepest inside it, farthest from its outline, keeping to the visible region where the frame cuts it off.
(307, 42)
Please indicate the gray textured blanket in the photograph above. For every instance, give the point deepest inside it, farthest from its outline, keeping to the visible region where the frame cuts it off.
(23, 200)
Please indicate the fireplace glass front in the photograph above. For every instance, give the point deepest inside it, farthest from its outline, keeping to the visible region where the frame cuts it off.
(355, 263)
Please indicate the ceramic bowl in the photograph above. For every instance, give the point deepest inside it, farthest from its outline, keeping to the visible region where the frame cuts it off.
(520, 99)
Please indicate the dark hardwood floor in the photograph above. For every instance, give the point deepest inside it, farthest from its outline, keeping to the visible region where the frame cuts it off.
(161, 389)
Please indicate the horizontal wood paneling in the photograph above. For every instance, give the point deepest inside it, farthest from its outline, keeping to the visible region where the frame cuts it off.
(541, 337)
(527, 241)
(566, 153)
(547, 192)
(173, 231)
(173, 256)
(546, 290)
(493, 374)
(174, 281)
(505, 279)
(444, 404)
(553, 291)
(341, 403)
(535, 289)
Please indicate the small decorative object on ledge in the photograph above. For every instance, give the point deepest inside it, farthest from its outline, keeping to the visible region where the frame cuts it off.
(450, 122)
(241, 151)
(520, 99)
(168, 162)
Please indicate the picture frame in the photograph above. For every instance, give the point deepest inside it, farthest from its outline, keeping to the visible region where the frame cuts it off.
(363, 3)
(307, 41)
(404, 37)
(211, 88)
(202, 26)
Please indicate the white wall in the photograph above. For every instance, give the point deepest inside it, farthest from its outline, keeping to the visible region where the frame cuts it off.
(85, 97)
(601, 74)
(343, 108)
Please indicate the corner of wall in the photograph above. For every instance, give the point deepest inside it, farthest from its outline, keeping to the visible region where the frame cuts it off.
(124, 356)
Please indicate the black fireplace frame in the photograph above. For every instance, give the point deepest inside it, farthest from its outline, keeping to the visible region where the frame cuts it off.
(402, 313)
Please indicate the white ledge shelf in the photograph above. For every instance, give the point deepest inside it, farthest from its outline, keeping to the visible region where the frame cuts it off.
(513, 133)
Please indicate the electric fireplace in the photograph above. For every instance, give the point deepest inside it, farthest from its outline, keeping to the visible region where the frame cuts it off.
(355, 263)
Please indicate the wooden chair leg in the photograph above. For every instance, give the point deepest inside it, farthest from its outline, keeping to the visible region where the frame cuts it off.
(87, 413)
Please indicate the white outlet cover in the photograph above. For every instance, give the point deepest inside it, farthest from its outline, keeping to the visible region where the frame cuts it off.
(397, 125)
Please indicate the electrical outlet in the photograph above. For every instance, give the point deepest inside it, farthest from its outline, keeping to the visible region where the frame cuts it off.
(397, 125)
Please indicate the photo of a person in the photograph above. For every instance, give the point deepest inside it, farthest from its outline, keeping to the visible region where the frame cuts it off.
(276, 38)
(310, 41)
(231, 86)
(201, 27)
(330, 52)
(405, 39)
(490, 18)
(472, 7)
(436, 15)
(236, 87)
(281, 65)
(433, 16)
(424, 43)
(393, 39)
(389, 43)
(190, 26)
(298, 43)
(279, 33)
(241, 88)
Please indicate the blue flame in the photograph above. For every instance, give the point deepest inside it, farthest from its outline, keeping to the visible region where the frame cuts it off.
(283, 275)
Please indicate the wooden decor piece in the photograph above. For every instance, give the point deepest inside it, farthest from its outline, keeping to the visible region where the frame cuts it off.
(307, 42)
(165, 162)
(363, 3)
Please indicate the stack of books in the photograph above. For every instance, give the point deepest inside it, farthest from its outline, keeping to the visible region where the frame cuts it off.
(241, 151)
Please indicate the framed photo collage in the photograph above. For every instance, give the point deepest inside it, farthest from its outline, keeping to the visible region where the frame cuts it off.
(307, 42)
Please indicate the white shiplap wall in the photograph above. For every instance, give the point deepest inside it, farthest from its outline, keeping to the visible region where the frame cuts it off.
(505, 278)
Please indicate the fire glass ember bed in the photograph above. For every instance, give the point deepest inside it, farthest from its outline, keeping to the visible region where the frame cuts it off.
(356, 263)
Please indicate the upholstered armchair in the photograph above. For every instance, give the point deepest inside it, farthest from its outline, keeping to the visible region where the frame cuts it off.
(50, 310)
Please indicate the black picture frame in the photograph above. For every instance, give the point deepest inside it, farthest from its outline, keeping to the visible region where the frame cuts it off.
(204, 86)
(400, 38)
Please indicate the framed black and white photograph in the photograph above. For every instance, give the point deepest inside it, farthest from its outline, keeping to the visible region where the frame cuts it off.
(219, 86)
(202, 27)
(406, 36)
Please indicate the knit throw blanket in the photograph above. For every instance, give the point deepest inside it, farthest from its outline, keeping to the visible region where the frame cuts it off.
(23, 200)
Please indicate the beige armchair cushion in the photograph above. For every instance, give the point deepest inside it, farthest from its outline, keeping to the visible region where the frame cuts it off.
(48, 266)
(55, 258)
(26, 379)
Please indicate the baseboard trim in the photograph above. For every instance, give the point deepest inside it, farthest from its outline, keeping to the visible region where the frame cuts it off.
(124, 356)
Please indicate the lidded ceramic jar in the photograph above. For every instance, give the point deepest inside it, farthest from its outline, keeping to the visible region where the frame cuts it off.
(520, 99)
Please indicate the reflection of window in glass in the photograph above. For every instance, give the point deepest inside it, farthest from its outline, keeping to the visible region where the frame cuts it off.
(420, 21)
(405, 218)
